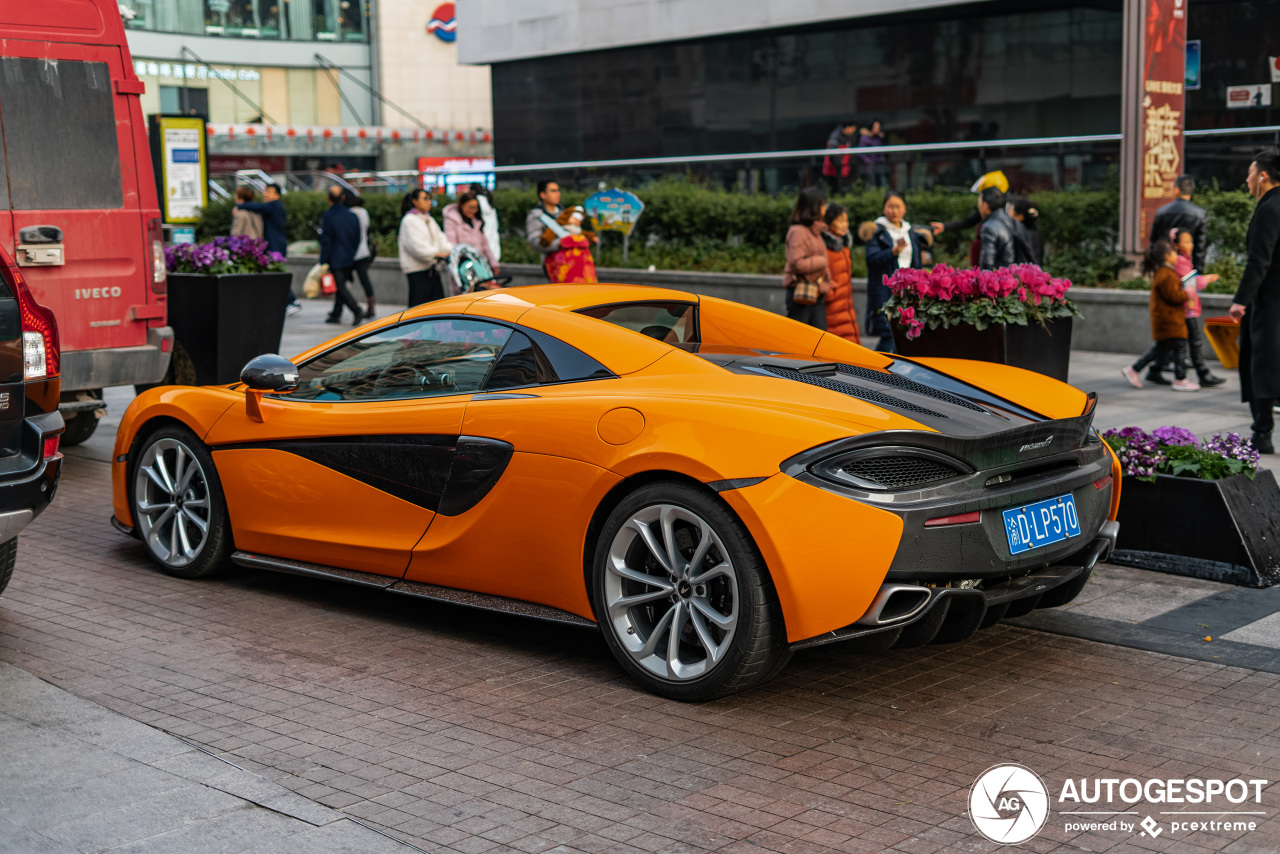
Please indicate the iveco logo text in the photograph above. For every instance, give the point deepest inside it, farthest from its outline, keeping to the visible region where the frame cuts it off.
(98, 293)
(1031, 446)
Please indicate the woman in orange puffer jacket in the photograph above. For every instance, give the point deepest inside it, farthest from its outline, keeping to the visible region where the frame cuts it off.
(842, 319)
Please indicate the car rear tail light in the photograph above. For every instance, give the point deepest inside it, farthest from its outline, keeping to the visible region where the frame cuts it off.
(958, 519)
(1102, 484)
(159, 273)
(51, 446)
(39, 332)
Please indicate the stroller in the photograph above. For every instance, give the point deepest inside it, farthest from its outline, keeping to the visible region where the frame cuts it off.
(468, 270)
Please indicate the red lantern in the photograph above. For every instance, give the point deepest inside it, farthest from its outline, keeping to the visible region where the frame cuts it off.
(209, 130)
(487, 137)
(291, 133)
(250, 131)
(458, 136)
(395, 136)
(362, 133)
(327, 133)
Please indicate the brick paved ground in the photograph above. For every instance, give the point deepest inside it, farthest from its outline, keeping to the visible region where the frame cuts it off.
(464, 732)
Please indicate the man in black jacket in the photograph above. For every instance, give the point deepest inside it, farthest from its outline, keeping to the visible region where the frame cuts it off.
(339, 239)
(1181, 213)
(998, 231)
(1257, 301)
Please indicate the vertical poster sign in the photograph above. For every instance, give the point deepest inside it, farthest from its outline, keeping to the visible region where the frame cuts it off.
(184, 183)
(1163, 106)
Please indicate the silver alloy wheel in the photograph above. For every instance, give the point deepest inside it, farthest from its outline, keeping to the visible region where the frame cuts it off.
(171, 500)
(672, 592)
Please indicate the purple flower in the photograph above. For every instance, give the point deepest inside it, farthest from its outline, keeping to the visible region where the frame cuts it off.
(1174, 436)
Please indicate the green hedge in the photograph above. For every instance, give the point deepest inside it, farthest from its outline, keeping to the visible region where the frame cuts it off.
(686, 226)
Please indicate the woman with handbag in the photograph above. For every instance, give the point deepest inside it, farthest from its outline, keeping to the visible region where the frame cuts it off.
(805, 276)
(894, 245)
(423, 248)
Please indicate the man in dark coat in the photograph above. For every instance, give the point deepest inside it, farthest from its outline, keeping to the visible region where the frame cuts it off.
(273, 218)
(999, 231)
(1257, 300)
(1181, 213)
(339, 239)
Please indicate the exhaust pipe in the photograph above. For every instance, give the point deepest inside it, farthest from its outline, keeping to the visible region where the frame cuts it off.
(895, 603)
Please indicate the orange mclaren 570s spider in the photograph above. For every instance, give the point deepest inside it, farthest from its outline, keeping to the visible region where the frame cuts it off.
(711, 485)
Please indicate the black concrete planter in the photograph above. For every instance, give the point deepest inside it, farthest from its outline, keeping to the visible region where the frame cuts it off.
(1222, 530)
(221, 322)
(1044, 349)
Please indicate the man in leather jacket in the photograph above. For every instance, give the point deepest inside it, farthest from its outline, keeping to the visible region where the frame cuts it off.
(998, 231)
(1181, 213)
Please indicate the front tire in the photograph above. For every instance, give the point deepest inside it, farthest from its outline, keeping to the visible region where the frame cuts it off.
(683, 595)
(178, 508)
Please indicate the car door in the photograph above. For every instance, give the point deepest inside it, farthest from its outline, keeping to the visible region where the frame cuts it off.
(349, 469)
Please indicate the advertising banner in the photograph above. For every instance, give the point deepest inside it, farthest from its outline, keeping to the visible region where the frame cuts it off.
(1249, 97)
(184, 174)
(1163, 110)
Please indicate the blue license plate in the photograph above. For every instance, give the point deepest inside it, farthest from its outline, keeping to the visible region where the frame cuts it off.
(1044, 523)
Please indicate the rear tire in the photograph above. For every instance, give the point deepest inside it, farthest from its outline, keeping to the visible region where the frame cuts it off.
(179, 511)
(8, 557)
(683, 595)
(80, 426)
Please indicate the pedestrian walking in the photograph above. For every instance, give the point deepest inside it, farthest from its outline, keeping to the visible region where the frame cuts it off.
(423, 248)
(364, 251)
(835, 167)
(245, 223)
(1257, 300)
(339, 239)
(1168, 318)
(806, 267)
(874, 170)
(489, 216)
(1181, 213)
(463, 225)
(998, 235)
(842, 318)
(542, 217)
(274, 228)
(1028, 245)
(892, 246)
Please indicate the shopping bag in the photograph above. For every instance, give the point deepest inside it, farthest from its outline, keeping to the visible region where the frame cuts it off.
(328, 286)
(311, 284)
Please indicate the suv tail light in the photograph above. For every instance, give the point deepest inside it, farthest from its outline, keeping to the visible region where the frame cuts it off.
(158, 272)
(39, 332)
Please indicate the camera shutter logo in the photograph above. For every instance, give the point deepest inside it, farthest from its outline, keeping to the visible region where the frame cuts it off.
(1008, 804)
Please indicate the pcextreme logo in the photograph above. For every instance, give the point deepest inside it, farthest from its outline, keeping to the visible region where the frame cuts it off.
(1010, 804)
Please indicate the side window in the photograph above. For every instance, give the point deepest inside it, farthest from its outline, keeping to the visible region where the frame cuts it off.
(60, 134)
(533, 358)
(428, 358)
(671, 322)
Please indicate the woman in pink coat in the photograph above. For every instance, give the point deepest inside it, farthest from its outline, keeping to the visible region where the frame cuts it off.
(462, 225)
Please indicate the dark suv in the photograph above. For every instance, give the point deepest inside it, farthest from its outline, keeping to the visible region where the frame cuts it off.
(30, 426)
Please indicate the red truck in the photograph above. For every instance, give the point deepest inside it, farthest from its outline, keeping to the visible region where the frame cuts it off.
(78, 210)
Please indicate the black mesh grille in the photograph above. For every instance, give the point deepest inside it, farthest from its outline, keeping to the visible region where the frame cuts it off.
(907, 385)
(869, 395)
(902, 472)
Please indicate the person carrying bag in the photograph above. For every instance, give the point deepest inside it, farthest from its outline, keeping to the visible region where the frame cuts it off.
(805, 277)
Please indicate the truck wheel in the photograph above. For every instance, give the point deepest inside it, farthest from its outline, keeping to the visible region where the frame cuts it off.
(8, 556)
(80, 426)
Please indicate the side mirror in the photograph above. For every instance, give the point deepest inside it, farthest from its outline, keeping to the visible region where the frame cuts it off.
(270, 373)
(267, 373)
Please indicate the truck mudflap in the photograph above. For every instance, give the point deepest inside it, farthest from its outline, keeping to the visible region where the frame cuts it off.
(94, 369)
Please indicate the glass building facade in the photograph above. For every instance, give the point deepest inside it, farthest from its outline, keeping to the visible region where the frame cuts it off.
(295, 20)
(988, 71)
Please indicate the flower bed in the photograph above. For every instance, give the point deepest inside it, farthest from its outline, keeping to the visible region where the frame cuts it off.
(1175, 451)
(223, 256)
(942, 297)
(1197, 508)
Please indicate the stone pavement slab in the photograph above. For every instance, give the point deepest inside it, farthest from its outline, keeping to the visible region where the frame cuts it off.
(79, 778)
